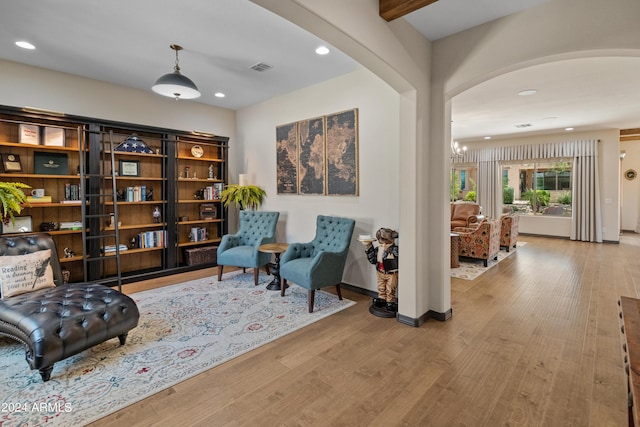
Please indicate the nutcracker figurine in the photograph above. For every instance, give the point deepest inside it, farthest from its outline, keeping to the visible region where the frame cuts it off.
(385, 258)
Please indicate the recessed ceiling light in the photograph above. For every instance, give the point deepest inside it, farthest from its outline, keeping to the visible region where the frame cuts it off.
(219, 95)
(568, 129)
(25, 45)
(527, 92)
(487, 137)
(322, 50)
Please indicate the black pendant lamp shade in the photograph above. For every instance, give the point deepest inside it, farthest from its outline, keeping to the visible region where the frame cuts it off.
(175, 85)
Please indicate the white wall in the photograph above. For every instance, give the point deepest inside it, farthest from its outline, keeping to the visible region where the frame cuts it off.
(608, 164)
(630, 190)
(401, 57)
(26, 86)
(378, 204)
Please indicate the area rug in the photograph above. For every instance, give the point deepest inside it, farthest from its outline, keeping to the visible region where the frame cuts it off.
(469, 270)
(183, 330)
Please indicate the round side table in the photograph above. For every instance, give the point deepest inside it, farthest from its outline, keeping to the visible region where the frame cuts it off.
(276, 249)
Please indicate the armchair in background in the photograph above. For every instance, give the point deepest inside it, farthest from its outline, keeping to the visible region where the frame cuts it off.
(509, 230)
(241, 249)
(480, 242)
(464, 214)
(321, 262)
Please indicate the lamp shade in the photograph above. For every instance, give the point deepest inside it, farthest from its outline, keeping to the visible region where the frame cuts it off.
(175, 85)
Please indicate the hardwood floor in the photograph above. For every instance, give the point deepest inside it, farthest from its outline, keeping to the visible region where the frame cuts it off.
(534, 341)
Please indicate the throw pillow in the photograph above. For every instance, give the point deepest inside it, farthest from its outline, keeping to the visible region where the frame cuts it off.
(20, 274)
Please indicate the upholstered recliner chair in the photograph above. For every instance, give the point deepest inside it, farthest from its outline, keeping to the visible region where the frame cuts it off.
(56, 320)
(509, 230)
(321, 262)
(464, 214)
(241, 249)
(480, 242)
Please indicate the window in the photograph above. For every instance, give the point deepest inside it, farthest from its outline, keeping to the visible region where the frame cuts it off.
(538, 188)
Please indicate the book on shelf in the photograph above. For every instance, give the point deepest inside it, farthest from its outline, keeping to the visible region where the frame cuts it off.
(71, 225)
(70, 202)
(38, 200)
(112, 248)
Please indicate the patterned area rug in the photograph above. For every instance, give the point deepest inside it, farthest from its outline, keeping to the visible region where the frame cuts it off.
(184, 330)
(470, 269)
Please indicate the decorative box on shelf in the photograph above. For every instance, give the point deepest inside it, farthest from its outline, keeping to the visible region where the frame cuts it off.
(201, 255)
(208, 211)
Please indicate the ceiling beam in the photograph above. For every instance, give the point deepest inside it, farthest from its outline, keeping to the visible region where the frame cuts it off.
(629, 132)
(393, 9)
(629, 135)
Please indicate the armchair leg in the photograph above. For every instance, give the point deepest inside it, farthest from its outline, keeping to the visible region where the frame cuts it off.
(283, 287)
(312, 296)
(220, 267)
(339, 292)
(486, 262)
(256, 271)
(267, 268)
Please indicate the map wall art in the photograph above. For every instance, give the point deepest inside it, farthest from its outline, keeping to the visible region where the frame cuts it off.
(319, 155)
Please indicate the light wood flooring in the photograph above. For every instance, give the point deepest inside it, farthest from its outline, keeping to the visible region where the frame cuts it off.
(534, 341)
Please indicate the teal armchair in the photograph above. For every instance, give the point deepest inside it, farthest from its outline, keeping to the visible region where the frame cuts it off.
(241, 249)
(321, 262)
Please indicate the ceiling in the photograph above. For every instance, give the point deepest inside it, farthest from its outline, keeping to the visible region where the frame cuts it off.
(123, 42)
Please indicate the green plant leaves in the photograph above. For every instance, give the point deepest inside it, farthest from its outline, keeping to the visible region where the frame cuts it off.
(11, 199)
(243, 196)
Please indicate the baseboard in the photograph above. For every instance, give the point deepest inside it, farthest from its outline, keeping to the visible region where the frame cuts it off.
(358, 290)
(416, 322)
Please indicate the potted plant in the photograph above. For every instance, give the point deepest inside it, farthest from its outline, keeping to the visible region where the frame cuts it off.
(11, 199)
(243, 196)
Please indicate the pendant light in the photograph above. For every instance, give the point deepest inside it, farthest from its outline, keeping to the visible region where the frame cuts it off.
(175, 85)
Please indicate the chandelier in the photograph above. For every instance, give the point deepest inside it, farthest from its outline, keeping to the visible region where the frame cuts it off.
(456, 149)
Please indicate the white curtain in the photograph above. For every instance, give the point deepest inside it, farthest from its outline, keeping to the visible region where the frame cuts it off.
(489, 188)
(586, 224)
(587, 217)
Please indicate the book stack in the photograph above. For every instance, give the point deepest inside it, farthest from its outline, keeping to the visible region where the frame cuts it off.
(38, 200)
(152, 239)
(112, 248)
(135, 194)
(71, 225)
(198, 234)
(71, 193)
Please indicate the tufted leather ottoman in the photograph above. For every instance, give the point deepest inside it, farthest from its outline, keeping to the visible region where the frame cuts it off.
(58, 322)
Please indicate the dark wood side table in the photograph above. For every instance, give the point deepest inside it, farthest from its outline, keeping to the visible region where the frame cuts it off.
(276, 249)
(630, 316)
(455, 249)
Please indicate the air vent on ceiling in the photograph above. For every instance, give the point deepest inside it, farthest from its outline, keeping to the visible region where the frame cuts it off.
(261, 67)
(524, 125)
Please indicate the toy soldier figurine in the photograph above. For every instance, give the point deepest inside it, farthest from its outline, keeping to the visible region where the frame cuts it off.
(385, 258)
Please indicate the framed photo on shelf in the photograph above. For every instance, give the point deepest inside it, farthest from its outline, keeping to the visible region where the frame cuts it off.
(29, 134)
(54, 136)
(22, 224)
(10, 163)
(129, 168)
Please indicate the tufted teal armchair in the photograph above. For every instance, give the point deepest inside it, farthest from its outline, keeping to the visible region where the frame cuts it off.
(321, 262)
(241, 249)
